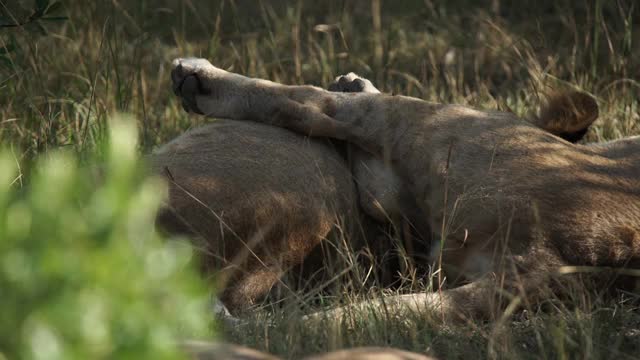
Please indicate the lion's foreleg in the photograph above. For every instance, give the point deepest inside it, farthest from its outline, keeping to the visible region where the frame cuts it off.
(490, 298)
(214, 92)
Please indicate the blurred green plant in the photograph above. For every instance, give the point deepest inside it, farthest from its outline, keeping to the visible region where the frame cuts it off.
(83, 273)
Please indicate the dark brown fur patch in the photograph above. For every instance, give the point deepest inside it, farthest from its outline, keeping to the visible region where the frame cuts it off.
(568, 115)
(574, 137)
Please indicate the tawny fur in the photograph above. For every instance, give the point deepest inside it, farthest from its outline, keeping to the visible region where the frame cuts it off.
(510, 202)
(221, 351)
(218, 198)
(257, 199)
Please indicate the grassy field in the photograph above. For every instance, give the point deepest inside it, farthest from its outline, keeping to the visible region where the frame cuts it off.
(61, 79)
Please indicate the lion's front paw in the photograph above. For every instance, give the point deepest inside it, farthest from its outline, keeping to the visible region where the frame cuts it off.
(352, 83)
(185, 79)
(192, 77)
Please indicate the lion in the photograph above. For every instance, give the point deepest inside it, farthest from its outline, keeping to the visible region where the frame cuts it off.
(257, 199)
(510, 205)
(217, 197)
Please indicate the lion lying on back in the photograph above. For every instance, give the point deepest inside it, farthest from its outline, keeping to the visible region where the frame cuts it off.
(257, 198)
(509, 202)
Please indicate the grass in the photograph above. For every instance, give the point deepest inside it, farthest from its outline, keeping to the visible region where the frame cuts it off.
(59, 89)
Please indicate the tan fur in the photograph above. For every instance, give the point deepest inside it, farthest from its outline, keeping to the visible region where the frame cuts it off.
(221, 351)
(218, 197)
(494, 186)
(258, 198)
(295, 194)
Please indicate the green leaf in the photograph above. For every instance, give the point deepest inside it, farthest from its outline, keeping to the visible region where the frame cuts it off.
(53, 7)
(42, 5)
(4, 61)
(5, 21)
(7, 49)
(55, 18)
(41, 29)
(10, 46)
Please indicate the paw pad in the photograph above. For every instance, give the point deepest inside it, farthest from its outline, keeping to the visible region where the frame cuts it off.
(352, 83)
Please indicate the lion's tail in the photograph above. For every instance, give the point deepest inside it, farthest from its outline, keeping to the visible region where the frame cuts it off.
(567, 115)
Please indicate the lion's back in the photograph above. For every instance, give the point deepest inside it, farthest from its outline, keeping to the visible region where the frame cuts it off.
(252, 175)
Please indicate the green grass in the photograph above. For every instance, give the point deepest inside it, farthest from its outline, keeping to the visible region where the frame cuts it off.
(58, 90)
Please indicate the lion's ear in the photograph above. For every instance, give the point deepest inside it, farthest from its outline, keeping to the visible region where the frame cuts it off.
(568, 115)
